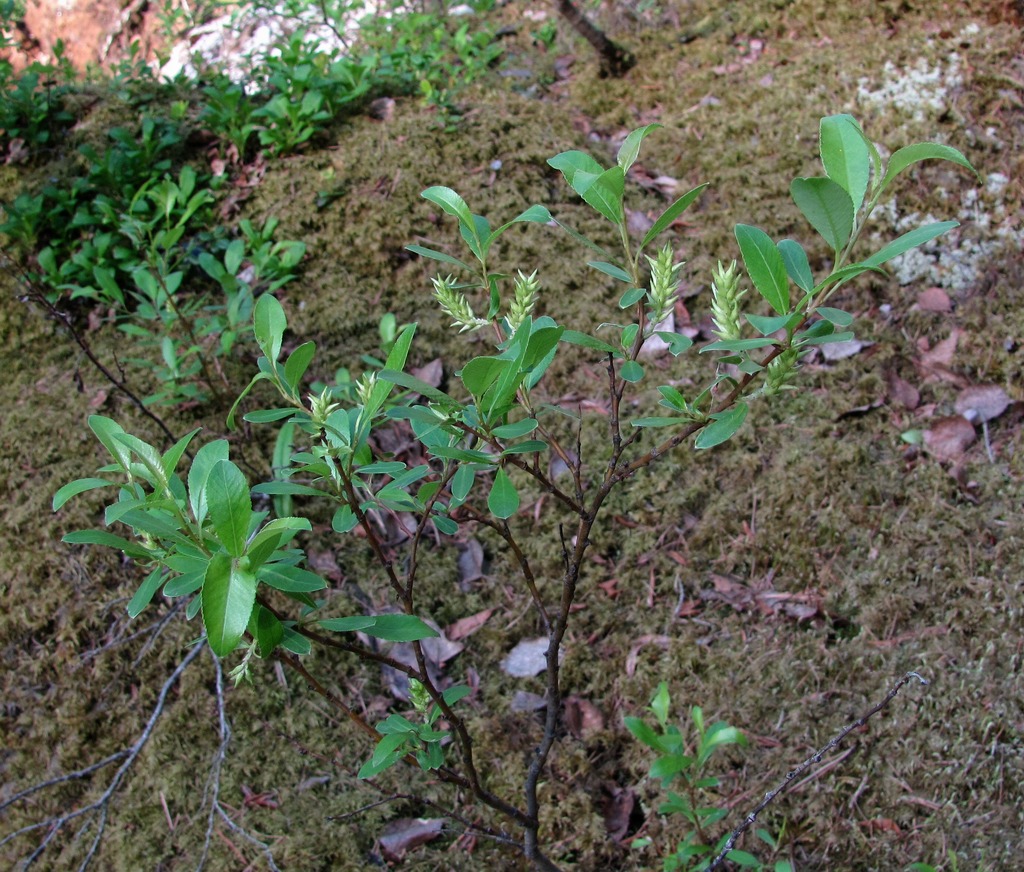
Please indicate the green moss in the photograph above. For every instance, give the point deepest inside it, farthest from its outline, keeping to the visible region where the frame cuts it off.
(909, 572)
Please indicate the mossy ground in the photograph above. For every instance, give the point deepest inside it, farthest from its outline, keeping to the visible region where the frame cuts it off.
(912, 571)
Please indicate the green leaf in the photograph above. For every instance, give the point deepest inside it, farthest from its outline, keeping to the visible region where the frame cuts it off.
(516, 429)
(451, 202)
(295, 642)
(297, 364)
(344, 519)
(718, 734)
(440, 256)
(676, 342)
(288, 487)
(910, 240)
(503, 500)
(610, 269)
(660, 703)
(150, 457)
(671, 213)
(107, 430)
(453, 694)
(445, 524)
(260, 376)
(847, 273)
(797, 268)
(642, 731)
(631, 297)
(574, 337)
(530, 446)
(229, 505)
(631, 371)
(823, 338)
(630, 148)
(482, 373)
(267, 630)
(229, 593)
(173, 454)
(836, 316)
(395, 363)
(79, 486)
(412, 383)
(657, 422)
(667, 768)
(267, 416)
(845, 156)
(185, 584)
(738, 344)
(911, 154)
(290, 579)
(580, 238)
(535, 214)
(628, 336)
(569, 163)
(766, 326)
(147, 590)
(827, 206)
(234, 255)
(268, 325)
(108, 540)
(724, 425)
(391, 628)
(462, 483)
(605, 194)
(273, 536)
(764, 266)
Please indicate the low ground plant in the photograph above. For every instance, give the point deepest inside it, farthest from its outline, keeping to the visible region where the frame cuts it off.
(138, 239)
(476, 453)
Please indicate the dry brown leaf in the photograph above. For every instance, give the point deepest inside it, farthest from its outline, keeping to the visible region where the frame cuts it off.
(942, 353)
(405, 834)
(948, 438)
(903, 392)
(982, 402)
(638, 222)
(634, 652)
(934, 300)
(524, 701)
(17, 152)
(470, 563)
(431, 373)
(383, 108)
(582, 717)
(833, 351)
(618, 810)
(468, 625)
(440, 649)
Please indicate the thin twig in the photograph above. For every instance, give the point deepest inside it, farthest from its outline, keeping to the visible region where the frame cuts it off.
(211, 793)
(37, 296)
(814, 759)
(99, 808)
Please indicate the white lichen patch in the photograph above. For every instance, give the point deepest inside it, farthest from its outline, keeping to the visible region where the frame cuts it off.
(920, 91)
(955, 261)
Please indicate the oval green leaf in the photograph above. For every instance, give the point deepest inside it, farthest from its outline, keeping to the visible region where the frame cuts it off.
(503, 500)
(722, 427)
(827, 206)
(229, 594)
(844, 154)
(764, 266)
(229, 505)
